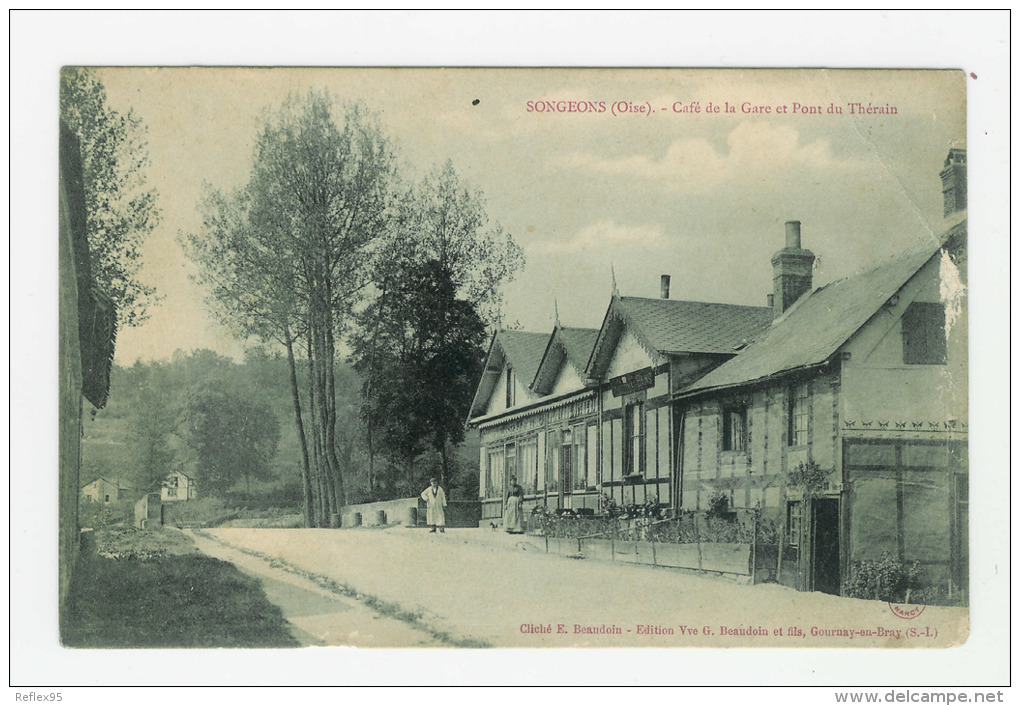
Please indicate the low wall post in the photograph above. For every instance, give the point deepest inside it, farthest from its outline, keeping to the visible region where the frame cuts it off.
(754, 547)
(697, 537)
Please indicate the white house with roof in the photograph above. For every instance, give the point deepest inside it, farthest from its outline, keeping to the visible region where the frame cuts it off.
(101, 491)
(646, 350)
(178, 486)
(533, 410)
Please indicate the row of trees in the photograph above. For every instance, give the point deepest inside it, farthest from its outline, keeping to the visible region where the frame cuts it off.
(326, 243)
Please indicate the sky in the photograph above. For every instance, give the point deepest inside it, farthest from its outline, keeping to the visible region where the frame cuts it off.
(592, 171)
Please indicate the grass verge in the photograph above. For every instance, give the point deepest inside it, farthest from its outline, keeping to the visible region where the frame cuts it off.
(167, 598)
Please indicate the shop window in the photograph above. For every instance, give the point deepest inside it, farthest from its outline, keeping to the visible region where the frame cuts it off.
(527, 475)
(794, 518)
(494, 474)
(580, 463)
(591, 458)
(734, 429)
(510, 463)
(924, 334)
(798, 416)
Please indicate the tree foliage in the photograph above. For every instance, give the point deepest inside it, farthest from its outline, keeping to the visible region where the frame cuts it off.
(420, 351)
(234, 437)
(121, 210)
(151, 423)
(441, 219)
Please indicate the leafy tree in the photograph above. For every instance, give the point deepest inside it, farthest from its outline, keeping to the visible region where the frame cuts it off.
(151, 423)
(234, 437)
(120, 210)
(442, 219)
(438, 222)
(287, 256)
(420, 354)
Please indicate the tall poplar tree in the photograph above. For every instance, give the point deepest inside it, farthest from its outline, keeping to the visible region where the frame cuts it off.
(288, 255)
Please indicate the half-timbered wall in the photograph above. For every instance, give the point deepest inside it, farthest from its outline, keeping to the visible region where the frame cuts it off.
(636, 442)
(742, 444)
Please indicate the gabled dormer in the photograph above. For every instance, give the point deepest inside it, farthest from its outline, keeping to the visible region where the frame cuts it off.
(562, 368)
(639, 332)
(510, 367)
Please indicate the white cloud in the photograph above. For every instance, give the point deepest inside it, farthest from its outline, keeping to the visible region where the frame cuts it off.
(602, 235)
(754, 149)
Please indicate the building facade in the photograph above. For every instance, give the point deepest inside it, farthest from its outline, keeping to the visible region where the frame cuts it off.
(537, 420)
(846, 423)
(837, 414)
(178, 486)
(101, 491)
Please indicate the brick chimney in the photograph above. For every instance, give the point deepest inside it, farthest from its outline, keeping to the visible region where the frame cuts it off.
(791, 271)
(664, 287)
(954, 182)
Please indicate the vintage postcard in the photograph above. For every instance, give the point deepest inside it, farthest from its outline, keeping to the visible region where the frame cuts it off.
(540, 358)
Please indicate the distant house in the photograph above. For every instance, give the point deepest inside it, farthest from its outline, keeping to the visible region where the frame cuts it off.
(178, 486)
(101, 491)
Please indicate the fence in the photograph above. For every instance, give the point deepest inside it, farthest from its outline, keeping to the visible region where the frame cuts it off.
(729, 543)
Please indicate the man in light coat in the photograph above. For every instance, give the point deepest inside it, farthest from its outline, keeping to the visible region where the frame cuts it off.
(435, 500)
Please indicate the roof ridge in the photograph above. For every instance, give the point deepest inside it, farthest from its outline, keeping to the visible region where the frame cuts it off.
(693, 301)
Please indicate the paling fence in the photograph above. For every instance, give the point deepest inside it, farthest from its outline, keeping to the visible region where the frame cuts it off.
(732, 543)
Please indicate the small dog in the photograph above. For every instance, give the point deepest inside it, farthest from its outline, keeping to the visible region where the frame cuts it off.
(493, 526)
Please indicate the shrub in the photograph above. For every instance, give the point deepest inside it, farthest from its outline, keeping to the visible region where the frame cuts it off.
(98, 516)
(810, 477)
(121, 544)
(719, 505)
(883, 580)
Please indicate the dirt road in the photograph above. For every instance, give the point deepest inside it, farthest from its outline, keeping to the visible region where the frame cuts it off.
(318, 615)
(482, 588)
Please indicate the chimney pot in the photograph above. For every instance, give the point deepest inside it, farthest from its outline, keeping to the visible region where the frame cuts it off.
(954, 182)
(664, 287)
(791, 271)
(793, 234)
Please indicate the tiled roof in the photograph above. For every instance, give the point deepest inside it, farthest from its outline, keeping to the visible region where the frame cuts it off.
(571, 345)
(814, 328)
(524, 351)
(578, 343)
(695, 327)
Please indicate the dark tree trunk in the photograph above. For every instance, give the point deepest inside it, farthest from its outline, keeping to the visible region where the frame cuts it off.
(316, 435)
(306, 485)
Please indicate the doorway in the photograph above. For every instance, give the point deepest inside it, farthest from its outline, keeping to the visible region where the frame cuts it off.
(825, 545)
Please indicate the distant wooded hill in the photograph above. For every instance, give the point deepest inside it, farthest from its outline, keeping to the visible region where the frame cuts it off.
(192, 413)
